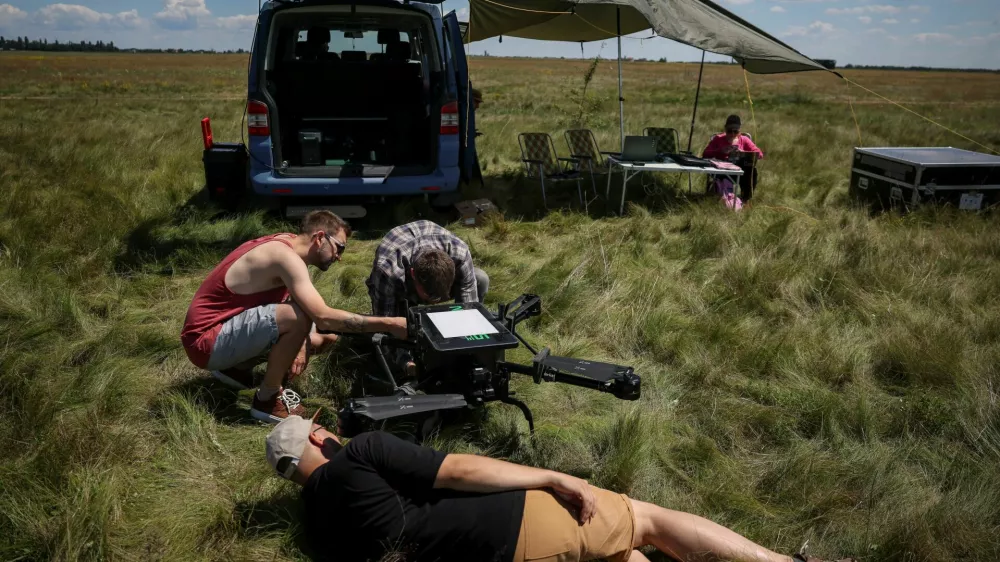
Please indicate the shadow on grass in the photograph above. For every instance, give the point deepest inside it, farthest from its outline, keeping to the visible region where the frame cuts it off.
(520, 197)
(197, 233)
(280, 514)
(217, 399)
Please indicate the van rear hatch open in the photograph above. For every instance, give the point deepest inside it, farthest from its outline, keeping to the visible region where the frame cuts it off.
(354, 91)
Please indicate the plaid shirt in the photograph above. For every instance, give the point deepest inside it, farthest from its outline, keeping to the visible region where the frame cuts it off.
(387, 285)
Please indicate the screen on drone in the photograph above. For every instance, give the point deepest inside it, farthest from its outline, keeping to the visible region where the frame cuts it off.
(461, 323)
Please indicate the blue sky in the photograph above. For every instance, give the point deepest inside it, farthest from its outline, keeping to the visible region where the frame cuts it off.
(953, 33)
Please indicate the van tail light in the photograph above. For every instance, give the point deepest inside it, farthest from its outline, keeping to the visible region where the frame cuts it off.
(257, 124)
(449, 118)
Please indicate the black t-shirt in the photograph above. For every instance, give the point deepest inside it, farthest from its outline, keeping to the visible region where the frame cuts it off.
(377, 495)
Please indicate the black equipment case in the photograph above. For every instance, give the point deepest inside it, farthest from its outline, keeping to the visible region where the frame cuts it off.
(903, 178)
(225, 172)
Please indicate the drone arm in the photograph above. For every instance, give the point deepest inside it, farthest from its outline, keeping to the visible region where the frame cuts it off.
(604, 377)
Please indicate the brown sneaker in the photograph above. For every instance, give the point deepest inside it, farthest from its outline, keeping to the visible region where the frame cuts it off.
(240, 379)
(283, 404)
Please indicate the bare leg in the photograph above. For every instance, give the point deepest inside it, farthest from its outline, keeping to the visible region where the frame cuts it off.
(687, 537)
(293, 329)
(637, 556)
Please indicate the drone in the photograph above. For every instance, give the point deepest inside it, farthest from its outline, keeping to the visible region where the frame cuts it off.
(459, 352)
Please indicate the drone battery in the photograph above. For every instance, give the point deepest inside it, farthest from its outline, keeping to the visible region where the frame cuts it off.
(311, 142)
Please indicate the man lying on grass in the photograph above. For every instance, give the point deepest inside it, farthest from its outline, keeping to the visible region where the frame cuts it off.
(242, 311)
(379, 495)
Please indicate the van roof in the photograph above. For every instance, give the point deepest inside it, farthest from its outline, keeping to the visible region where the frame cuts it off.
(283, 3)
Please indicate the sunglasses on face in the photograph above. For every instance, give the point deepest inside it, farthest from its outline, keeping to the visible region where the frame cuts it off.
(340, 247)
(732, 131)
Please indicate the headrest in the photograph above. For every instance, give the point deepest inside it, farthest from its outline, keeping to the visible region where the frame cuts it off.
(388, 36)
(318, 35)
(353, 56)
(399, 52)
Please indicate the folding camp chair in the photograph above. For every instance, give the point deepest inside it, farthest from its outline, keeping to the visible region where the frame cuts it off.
(538, 153)
(583, 146)
(667, 139)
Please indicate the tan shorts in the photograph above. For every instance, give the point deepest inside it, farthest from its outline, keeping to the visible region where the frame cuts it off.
(550, 532)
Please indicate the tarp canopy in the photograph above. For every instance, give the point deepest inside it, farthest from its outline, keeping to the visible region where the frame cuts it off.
(698, 23)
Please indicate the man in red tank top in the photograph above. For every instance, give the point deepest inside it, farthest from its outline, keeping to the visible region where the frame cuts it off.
(242, 311)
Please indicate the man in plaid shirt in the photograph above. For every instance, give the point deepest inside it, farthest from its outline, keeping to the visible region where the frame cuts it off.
(423, 263)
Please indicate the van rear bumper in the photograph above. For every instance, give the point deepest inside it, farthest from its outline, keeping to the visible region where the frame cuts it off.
(444, 180)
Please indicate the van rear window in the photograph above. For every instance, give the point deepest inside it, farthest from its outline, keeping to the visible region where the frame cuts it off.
(355, 45)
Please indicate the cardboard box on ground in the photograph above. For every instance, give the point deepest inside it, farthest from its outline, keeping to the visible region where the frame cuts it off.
(474, 212)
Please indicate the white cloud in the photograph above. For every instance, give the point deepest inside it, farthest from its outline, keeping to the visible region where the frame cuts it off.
(738, 2)
(75, 16)
(778, 9)
(875, 30)
(890, 21)
(814, 28)
(865, 19)
(181, 14)
(462, 14)
(934, 38)
(915, 20)
(10, 14)
(871, 9)
(237, 23)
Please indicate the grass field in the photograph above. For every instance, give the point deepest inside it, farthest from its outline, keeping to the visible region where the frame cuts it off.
(809, 372)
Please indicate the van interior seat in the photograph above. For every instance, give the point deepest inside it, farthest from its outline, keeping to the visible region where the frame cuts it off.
(398, 51)
(342, 89)
(353, 56)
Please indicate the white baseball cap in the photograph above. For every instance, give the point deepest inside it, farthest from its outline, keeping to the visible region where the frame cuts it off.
(289, 439)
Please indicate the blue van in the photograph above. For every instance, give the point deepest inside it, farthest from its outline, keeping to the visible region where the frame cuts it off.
(352, 103)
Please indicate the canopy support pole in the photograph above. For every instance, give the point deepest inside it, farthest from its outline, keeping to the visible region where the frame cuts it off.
(697, 93)
(621, 100)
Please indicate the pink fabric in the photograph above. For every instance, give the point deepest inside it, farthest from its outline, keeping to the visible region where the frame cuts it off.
(727, 193)
(723, 165)
(718, 147)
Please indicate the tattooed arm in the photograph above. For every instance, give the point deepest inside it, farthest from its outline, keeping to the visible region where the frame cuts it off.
(295, 275)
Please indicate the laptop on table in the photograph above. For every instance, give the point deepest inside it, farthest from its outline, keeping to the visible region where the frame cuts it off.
(639, 150)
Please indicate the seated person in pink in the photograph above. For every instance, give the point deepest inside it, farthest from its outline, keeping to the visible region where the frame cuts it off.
(728, 145)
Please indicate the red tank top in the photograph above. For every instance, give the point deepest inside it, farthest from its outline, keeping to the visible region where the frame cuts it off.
(214, 303)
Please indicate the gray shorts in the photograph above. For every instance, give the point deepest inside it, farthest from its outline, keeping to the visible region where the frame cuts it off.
(245, 337)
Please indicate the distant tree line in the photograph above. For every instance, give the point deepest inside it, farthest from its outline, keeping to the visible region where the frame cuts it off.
(25, 44)
(920, 68)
